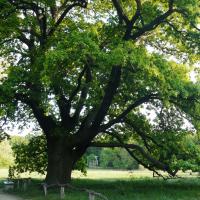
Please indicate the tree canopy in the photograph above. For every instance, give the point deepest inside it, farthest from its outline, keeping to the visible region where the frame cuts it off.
(84, 70)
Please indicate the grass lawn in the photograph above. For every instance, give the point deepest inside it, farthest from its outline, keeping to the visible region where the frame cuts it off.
(121, 185)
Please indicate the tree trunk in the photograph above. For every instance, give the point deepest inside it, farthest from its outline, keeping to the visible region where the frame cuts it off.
(60, 162)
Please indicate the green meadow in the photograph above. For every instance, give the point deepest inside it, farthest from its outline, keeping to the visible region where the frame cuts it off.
(117, 185)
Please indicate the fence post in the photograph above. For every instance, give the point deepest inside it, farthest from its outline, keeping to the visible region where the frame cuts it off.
(18, 183)
(62, 192)
(24, 184)
(91, 196)
(45, 189)
(29, 181)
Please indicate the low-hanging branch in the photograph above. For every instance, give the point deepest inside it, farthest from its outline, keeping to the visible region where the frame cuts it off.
(151, 167)
(132, 106)
(155, 164)
(144, 136)
(136, 147)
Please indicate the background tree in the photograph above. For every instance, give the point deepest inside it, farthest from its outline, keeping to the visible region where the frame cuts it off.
(117, 159)
(6, 154)
(83, 71)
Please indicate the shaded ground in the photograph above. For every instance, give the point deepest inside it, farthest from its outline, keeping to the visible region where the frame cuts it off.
(127, 189)
(4, 196)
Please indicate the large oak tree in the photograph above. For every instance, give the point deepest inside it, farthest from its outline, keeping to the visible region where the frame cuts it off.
(84, 70)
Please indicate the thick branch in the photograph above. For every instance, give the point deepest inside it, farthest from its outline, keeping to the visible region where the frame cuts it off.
(139, 160)
(151, 168)
(120, 12)
(155, 163)
(23, 39)
(63, 105)
(137, 13)
(85, 134)
(31, 31)
(80, 3)
(24, 5)
(84, 93)
(120, 117)
(153, 24)
(79, 82)
(141, 133)
(40, 15)
(110, 92)
(46, 122)
(135, 17)
(53, 10)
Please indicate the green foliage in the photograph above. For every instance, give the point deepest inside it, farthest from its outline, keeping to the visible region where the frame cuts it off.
(93, 151)
(6, 155)
(11, 172)
(58, 73)
(30, 155)
(117, 159)
(126, 189)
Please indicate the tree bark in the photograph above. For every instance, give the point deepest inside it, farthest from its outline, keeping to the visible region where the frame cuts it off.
(60, 162)
(58, 170)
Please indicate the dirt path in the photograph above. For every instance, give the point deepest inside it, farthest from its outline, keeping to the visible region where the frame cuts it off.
(4, 196)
